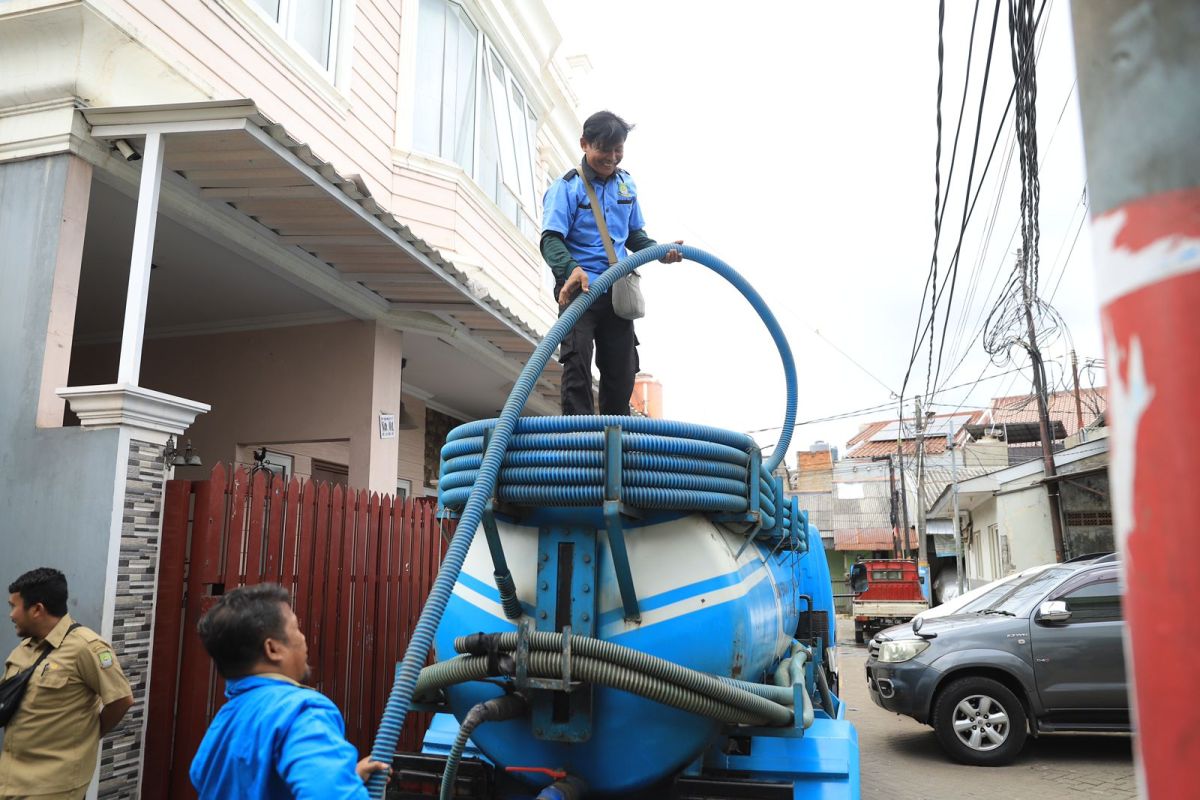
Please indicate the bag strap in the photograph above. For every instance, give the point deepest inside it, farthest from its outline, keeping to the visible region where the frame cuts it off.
(598, 213)
(46, 652)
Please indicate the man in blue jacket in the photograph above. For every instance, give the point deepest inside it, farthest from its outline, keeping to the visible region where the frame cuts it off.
(275, 739)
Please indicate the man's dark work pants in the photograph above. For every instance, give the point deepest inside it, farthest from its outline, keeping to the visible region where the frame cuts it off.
(616, 358)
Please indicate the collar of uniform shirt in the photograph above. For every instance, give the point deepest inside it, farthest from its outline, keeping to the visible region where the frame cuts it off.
(55, 636)
(590, 173)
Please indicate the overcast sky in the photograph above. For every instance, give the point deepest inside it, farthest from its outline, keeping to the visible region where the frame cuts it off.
(796, 141)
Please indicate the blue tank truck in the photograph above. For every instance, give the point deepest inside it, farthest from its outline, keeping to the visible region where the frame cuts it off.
(645, 615)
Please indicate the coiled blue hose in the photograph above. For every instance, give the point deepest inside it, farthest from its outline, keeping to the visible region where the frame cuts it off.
(410, 666)
(547, 465)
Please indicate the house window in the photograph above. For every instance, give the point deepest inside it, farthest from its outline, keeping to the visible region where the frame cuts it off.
(471, 110)
(308, 24)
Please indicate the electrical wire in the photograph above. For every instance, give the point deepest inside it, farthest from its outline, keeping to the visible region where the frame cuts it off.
(967, 206)
(922, 327)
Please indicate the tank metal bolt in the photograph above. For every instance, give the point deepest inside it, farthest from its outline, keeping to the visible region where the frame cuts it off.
(545, 585)
(585, 616)
(545, 556)
(587, 559)
(542, 614)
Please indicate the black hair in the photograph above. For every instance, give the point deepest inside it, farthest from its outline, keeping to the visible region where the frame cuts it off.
(233, 631)
(43, 585)
(605, 129)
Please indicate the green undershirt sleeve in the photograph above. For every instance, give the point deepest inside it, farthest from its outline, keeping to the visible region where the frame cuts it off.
(638, 240)
(556, 255)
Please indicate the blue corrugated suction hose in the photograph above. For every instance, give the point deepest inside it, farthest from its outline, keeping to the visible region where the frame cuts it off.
(409, 668)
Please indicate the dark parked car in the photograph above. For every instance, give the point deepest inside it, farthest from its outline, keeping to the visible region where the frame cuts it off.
(1045, 656)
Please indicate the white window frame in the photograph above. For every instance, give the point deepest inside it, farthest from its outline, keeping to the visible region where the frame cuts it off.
(330, 81)
(528, 203)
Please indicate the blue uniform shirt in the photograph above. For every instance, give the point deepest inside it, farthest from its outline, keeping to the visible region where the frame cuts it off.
(276, 740)
(567, 210)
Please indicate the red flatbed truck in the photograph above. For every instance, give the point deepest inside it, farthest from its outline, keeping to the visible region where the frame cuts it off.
(887, 591)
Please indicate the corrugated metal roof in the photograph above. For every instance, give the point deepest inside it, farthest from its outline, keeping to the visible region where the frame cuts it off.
(938, 479)
(819, 506)
(1061, 407)
(866, 539)
(872, 449)
(861, 446)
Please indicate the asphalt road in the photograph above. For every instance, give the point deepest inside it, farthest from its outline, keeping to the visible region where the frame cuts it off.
(901, 759)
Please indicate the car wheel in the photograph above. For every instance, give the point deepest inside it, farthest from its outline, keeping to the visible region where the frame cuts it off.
(979, 721)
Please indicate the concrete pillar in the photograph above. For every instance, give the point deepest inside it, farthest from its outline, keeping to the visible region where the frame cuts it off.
(60, 329)
(1139, 69)
(373, 458)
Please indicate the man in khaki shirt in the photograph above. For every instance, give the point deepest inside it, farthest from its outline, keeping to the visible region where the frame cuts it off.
(76, 695)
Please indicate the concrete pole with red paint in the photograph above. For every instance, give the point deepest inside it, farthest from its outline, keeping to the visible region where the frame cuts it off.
(1139, 93)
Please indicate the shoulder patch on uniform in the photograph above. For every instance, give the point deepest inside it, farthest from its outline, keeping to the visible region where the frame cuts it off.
(570, 174)
(106, 658)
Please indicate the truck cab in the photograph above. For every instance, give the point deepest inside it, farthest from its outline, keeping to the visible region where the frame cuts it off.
(887, 591)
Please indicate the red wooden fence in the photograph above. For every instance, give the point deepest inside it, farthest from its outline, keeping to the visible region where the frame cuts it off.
(359, 565)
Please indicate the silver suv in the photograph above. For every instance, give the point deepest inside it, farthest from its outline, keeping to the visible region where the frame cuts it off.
(1046, 655)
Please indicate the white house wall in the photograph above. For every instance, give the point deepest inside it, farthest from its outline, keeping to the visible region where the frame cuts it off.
(1025, 519)
(171, 51)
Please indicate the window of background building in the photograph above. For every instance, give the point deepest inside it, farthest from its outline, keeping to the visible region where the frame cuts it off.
(470, 109)
(309, 24)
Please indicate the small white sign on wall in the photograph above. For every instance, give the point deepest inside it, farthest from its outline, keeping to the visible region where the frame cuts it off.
(387, 426)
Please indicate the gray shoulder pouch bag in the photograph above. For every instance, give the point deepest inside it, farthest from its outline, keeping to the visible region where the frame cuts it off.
(627, 300)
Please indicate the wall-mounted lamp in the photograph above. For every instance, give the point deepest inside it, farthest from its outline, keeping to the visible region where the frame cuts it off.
(127, 152)
(187, 457)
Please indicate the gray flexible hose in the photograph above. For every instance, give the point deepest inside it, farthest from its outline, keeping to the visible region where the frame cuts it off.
(546, 664)
(776, 694)
(760, 705)
(450, 774)
(508, 706)
(826, 695)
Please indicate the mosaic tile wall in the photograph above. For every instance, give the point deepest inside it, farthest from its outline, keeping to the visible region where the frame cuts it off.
(141, 527)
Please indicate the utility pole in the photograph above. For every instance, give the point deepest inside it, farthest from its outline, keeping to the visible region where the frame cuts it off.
(1138, 67)
(903, 489)
(1078, 404)
(897, 548)
(1039, 388)
(958, 553)
(922, 557)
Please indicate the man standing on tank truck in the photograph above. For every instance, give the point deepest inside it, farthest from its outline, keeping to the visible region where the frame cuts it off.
(574, 249)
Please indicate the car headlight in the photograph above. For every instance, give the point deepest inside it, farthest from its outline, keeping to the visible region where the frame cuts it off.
(903, 650)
